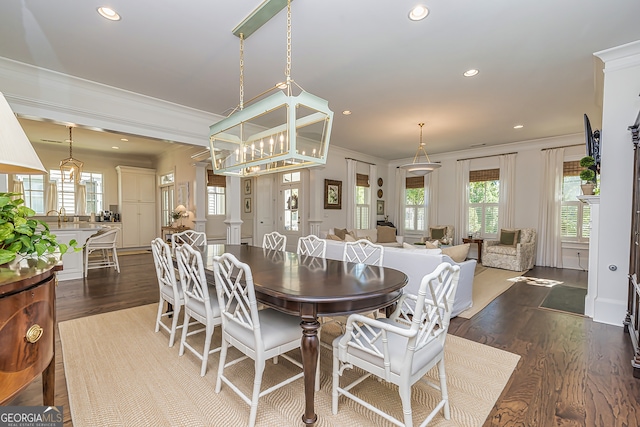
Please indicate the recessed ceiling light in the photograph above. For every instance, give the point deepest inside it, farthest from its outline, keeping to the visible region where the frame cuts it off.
(110, 14)
(124, 139)
(115, 148)
(346, 112)
(471, 73)
(518, 126)
(418, 13)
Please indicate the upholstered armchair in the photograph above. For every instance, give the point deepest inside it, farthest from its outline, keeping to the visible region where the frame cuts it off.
(443, 233)
(518, 257)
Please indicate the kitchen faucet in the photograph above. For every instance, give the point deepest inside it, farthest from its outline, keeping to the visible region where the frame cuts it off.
(62, 212)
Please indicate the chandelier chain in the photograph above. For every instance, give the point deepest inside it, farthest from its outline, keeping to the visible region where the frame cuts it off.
(288, 69)
(70, 143)
(241, 71)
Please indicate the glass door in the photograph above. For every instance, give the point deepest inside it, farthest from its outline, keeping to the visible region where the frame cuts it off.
(290, 209)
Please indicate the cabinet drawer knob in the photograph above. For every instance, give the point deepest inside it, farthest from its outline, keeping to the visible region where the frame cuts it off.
(34, 333)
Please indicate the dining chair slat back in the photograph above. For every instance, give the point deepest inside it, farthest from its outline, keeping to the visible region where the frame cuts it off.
(273, 333)
(170, 288)
(312, 246)
(200, 302)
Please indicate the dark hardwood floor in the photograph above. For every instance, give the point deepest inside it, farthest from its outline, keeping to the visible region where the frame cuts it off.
(572, 371)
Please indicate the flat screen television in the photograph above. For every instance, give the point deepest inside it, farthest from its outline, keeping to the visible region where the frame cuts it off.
(592, 140)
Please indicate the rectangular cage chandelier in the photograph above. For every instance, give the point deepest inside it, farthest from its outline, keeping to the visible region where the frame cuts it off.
(280, 132)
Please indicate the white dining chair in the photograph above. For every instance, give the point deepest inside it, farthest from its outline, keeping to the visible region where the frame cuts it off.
(363, 251)
(274, 241)
(312, 246)
(402, 348)
(200, 302)
(170, 288)
(259, 334)
(104, 243)
(190, 237)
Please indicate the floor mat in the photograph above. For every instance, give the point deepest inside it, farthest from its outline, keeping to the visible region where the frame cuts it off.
(565, 298)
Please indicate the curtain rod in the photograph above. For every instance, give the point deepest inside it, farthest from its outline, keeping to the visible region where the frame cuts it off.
(563, 146)
(484, 157)
(361, 161)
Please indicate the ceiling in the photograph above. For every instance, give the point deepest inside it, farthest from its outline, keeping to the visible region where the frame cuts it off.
(535, 59)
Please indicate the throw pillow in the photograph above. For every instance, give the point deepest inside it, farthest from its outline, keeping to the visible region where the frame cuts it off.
(509, 237)
(457, 253)
(386, 234)
(409, 246)
(349, 238)
(431, 245)
(340, 232)
(437, 233)
(333, 237)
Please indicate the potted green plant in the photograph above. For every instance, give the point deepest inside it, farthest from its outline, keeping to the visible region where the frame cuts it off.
(588, 175)
(22, 235)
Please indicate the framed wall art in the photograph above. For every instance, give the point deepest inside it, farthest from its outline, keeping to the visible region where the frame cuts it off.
(247, 187)
(247, 205)
(332, 194)
(380, 207)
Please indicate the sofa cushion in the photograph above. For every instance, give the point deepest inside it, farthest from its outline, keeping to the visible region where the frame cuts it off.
(386, 234)
(457, 253)
(437, 233)
(509, 237)
(340, 232)
(333, 237)
(502, 250)
(367, 233)
(349, 238)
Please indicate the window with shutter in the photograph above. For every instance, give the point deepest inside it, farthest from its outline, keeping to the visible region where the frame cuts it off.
(484, 196)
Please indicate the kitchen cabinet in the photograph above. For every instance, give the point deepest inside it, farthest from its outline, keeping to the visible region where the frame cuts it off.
(137, 200)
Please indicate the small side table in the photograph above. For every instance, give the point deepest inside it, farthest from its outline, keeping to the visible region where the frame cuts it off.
(479, 243)
(168, 231)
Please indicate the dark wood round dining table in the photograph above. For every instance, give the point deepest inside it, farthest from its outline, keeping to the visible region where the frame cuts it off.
(311, 287)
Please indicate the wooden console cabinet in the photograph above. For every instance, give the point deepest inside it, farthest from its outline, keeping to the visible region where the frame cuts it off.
(632, 319)
(27, 327)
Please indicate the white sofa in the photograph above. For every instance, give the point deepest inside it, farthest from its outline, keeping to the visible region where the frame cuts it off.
(416, 263)
(371, 234)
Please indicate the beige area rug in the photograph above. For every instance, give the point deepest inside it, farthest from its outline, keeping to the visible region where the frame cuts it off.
(488, 284)
(120, 373)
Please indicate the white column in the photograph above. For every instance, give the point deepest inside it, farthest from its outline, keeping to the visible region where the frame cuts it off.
(200, 197)
(315, 203)
(620, 108)
(233, 221)
(594, 237)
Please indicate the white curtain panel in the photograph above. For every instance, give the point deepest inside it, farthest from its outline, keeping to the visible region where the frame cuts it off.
(507, 205)
(431, 198)
(462, 201)
(373, 203)
(51, 197)
(81, 199)
(398, 200)
(18, 188)
(549, 235)
(350, 194)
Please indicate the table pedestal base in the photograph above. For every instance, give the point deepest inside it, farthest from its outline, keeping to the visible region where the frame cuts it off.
(309, 349)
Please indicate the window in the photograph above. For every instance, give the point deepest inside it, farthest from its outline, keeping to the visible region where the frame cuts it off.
(167, 191)
(67, 191)
(414, 204)
(575, 215)
(362, 201)
(216, 194)
(484, 195)
(93, 185)
(33, 191)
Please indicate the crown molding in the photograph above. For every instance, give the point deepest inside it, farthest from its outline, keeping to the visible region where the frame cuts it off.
(40, 93)
(620, 57)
